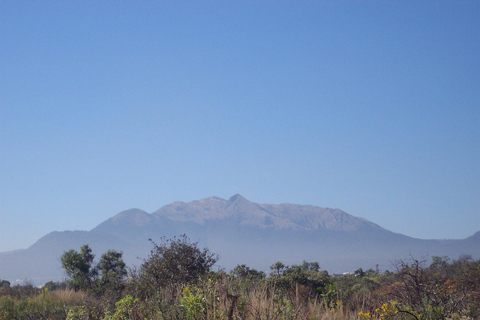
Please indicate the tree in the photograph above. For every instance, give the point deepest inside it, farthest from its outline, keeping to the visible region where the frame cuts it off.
(85, 276)
(299, 282)
(359, 273)
(308, 273)
(278, 267)
(244, 272)
(310, 266)
(78, 266)
(112, 268)
(112, 272)
(4, 284)
(52, 286)
(176, 261)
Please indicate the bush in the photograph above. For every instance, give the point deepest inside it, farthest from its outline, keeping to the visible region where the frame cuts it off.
(172, 262)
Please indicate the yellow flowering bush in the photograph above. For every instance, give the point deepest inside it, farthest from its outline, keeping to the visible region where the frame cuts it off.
(386, 311)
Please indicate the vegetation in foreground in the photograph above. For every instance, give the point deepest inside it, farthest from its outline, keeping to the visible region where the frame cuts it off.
(176, 282)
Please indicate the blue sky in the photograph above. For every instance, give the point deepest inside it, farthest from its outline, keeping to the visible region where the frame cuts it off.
(370, 107)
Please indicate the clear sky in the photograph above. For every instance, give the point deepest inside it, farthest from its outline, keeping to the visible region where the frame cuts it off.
(372, 107)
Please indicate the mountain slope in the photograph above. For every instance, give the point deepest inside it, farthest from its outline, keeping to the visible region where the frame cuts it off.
(240, 231)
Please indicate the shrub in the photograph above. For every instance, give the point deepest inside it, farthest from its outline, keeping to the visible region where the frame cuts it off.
(172, 262)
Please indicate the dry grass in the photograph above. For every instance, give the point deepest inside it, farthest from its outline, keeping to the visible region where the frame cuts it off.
(69, 296)
(227, 299)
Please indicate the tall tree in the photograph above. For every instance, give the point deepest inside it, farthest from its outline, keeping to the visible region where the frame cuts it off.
(78, 266)
(112, 268)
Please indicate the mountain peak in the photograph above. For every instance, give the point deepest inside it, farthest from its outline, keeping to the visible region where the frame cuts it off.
(476, 236)
(237, 198)
(131, 216)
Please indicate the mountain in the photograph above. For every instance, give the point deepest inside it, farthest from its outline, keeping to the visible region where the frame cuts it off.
(241, 232)
(246, 213)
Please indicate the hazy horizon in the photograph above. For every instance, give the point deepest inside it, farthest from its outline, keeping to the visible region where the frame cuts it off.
(369, 107)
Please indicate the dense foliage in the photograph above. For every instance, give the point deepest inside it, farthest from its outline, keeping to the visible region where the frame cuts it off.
(176, 282)
(104, 278)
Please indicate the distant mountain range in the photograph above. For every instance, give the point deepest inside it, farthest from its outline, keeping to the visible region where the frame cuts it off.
(241, 232)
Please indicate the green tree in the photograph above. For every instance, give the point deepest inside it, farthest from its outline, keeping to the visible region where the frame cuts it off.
(359, 273)
(278, 267)
(109, 273)
(78, 266)
(244, 272)
(112, 268)
(310, 266)
(4, 284)
(52, 286)
(308, 273)
(112, 272)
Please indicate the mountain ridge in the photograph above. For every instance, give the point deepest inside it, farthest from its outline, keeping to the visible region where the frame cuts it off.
(242, 232)
(279, 216)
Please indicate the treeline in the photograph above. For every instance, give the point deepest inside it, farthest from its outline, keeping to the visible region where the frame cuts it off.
(176, 281)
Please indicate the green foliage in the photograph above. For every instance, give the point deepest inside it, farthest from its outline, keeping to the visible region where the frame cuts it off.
(307, 275)
(113, 272)
(310, 266)
(112, 268)
(78, 266)
(52, 286)
(194, 304)
(78, 313)
(4, 284)
(278, 267)
(244, 272)
(107, 275)
(19, 291)
(125, 309)
(440, 290)
(83, 312)
(359, 273)
(329, 294)
(7, 308)
(39, 306)
(185, 288)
